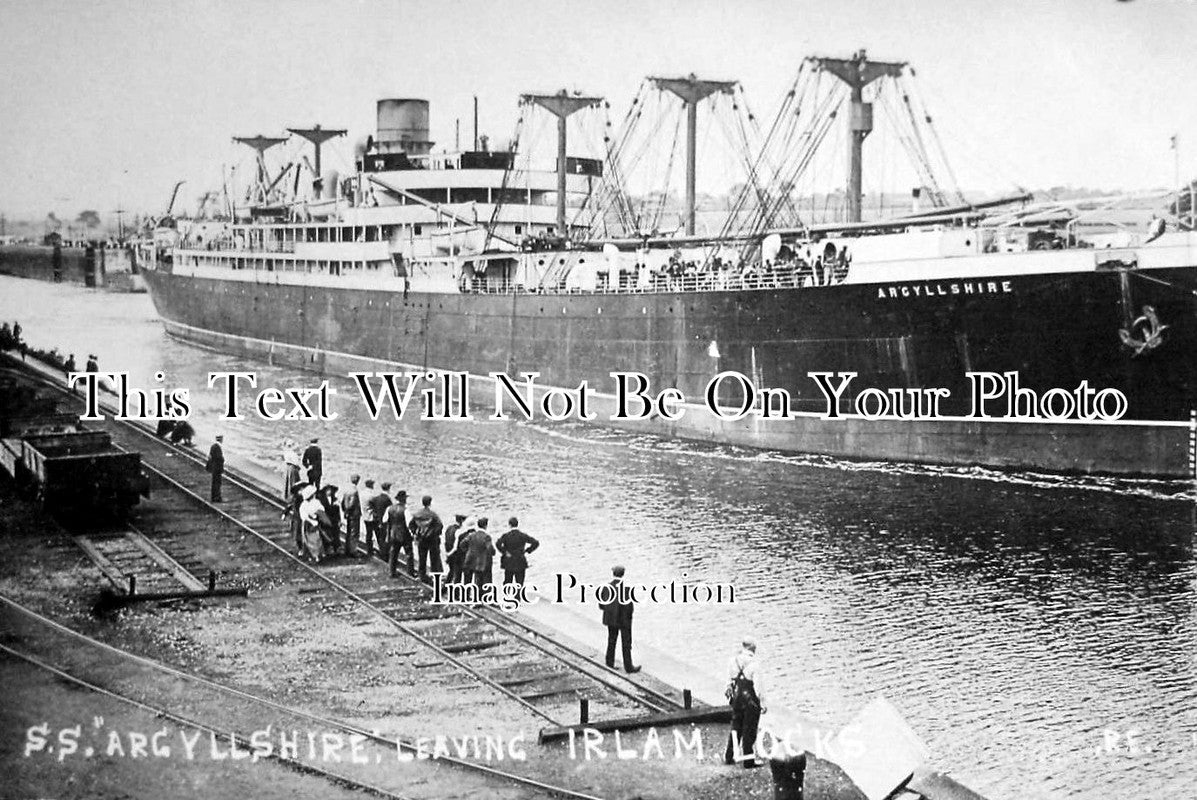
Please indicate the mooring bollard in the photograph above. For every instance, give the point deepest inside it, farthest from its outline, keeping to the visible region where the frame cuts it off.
(583, 711)
(132, 585)
(211, 580)
(687, 699)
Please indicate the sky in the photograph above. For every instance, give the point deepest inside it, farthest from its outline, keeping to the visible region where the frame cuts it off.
(107, 104)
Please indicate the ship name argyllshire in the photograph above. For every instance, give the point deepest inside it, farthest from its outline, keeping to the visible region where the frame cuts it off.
(453, 396)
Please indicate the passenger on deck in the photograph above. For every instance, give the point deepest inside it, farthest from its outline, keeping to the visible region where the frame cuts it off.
(515, 545)
(425, 527)
(92, 364)
(351, 511)
(747, 698)
(70, 366)
(453, 555)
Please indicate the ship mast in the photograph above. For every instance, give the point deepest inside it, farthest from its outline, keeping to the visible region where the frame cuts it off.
(561, 105)
(858, 72)
(317, 136)
(261, 144)
(691, 91)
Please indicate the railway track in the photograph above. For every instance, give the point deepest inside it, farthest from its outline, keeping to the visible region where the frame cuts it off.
(136, 680)
(133, 563)
(545, 677)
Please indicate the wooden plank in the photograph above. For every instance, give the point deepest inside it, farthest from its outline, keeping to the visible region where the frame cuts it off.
(469, 647)
(110, 571)
(718, 714)
(166, 562)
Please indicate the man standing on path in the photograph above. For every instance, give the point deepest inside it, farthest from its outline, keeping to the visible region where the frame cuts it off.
(351, 511)
(480, 555)
(370, 519)
(747, 702)
(426, 527)
(454, 554)
(461, 549)
(398, 536)
(215, 466)
(515, 545)
(617, 616)
(313, 462)
(380, 501)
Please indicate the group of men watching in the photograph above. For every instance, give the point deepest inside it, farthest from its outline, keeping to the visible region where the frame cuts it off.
(322, 524)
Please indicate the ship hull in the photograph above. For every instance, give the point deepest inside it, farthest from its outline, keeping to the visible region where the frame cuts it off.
(1053, 331)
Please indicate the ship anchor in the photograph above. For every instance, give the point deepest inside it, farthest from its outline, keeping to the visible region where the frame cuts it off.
(1149, 326)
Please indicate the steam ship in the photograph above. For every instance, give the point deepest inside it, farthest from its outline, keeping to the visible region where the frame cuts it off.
(488, 261)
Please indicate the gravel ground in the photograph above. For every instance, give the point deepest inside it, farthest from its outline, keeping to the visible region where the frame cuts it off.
(289, 644)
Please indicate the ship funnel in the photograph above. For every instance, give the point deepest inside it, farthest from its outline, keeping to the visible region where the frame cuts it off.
(403, 126)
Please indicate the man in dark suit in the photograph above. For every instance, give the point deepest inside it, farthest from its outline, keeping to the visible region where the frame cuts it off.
(617, 616)
(215, 466)
(313, 462)
(515, 545)
(454, 555)
(425, 527)
(480, 555)
(351, 511)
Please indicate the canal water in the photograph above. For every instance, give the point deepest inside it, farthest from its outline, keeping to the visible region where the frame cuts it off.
(1037, 632)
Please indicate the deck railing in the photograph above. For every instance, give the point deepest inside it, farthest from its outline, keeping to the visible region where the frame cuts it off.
(788, 277)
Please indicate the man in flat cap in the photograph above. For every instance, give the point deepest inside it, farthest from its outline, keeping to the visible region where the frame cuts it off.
(395, 523)
(617, 616)
(746, 695)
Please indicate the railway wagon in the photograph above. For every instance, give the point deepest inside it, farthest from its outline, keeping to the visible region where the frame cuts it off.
(81, 472)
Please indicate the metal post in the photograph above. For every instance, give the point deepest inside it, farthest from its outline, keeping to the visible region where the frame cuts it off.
(856, 153)
(858, 72)
(475, 123)
(561, 178)
(583, 711)
(561, 105)
(691, 91)
(132, 585)
(687, 698)
(211, 580)
(691, 147)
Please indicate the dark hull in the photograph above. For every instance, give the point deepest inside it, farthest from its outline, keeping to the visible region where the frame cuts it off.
(1054, 330)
